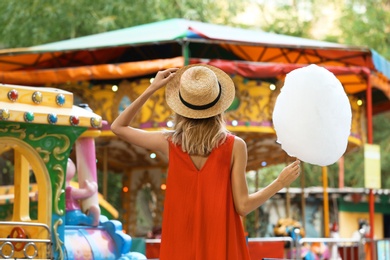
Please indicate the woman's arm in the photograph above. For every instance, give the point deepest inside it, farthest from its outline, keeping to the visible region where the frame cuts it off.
(153, 140)
(245, 202)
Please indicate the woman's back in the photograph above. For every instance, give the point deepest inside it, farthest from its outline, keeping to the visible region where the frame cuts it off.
(200, 221)
(201, 218)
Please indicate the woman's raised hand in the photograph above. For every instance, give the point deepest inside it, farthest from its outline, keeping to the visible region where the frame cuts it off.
(162, 78)
(290, 173)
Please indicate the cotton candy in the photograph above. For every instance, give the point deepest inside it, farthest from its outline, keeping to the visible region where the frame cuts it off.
(312, 116)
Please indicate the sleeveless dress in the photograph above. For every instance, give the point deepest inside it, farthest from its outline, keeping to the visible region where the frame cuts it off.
(199, 219)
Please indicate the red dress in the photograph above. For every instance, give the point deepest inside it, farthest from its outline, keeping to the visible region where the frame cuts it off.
(199, 219)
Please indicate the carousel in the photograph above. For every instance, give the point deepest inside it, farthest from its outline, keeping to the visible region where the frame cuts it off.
(44, 214)
(108, 71)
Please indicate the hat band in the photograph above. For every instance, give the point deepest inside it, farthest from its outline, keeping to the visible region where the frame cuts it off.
(202, 107)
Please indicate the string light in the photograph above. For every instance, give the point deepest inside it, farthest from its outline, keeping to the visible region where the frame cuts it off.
(170, 124)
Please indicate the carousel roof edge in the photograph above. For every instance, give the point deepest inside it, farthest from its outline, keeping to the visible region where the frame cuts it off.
(25, 113)
(41, 105)
(42, 96)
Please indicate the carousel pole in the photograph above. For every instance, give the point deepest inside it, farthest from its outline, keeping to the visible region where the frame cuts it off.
(326, 200)
(105, 172)
(257, 217)
(303, 199)
(288, 197)
(185, 52)
(341, 172)
(371, 198)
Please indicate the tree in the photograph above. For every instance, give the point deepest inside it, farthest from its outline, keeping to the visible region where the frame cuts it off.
(284, 18)
(26, 23)
(352, 22)
(366, 23)
(382, 137)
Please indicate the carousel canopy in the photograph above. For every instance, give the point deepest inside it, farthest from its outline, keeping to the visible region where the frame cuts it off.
(122, 54)
(175, 29)
(140, 51)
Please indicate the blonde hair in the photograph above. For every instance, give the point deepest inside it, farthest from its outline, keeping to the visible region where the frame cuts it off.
(198, 136)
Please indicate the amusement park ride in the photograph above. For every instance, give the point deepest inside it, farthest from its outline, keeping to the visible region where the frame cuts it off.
(39, 127)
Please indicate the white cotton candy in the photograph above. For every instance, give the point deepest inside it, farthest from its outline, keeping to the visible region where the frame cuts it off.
(312, 116)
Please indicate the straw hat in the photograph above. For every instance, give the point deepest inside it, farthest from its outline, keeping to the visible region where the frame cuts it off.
(199, 91)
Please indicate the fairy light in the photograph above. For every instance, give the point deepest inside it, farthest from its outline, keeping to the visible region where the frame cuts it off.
(170, 124)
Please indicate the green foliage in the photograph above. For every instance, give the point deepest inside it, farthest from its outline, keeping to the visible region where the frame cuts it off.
(287, 20)
(382, 137)
(33, 22)
(114, 184)
(250, 226)
(354, 162)
(7, 169)
(355, 22)
(26, 23)
(354, 169)
(367, 23)
(312, 175)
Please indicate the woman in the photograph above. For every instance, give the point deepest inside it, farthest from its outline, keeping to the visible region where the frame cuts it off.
(206, 186)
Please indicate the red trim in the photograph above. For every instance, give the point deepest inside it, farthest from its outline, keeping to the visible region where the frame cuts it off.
(268, 70)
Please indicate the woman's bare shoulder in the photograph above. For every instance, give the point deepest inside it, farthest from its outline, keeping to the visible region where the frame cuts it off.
(239, 146)
(238, 141)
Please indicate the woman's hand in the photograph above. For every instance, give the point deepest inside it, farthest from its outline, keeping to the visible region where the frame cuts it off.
(162, 78)
(289, 174)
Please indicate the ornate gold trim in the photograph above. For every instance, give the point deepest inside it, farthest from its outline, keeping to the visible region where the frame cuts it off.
(58, 188)
(57, 239)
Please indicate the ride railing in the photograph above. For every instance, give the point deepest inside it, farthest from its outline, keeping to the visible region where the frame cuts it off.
(17, 244)
(380, 248)
(331, 248)
(323, 248)
(263, 248)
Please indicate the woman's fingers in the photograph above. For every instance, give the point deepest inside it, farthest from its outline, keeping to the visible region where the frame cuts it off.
(295, 165)
(163, 76)
(169, 72)
(295, 168)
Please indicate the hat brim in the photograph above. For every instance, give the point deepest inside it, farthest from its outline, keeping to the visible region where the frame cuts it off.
(226, 99)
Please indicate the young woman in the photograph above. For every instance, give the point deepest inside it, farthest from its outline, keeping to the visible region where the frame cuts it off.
(206, 185)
